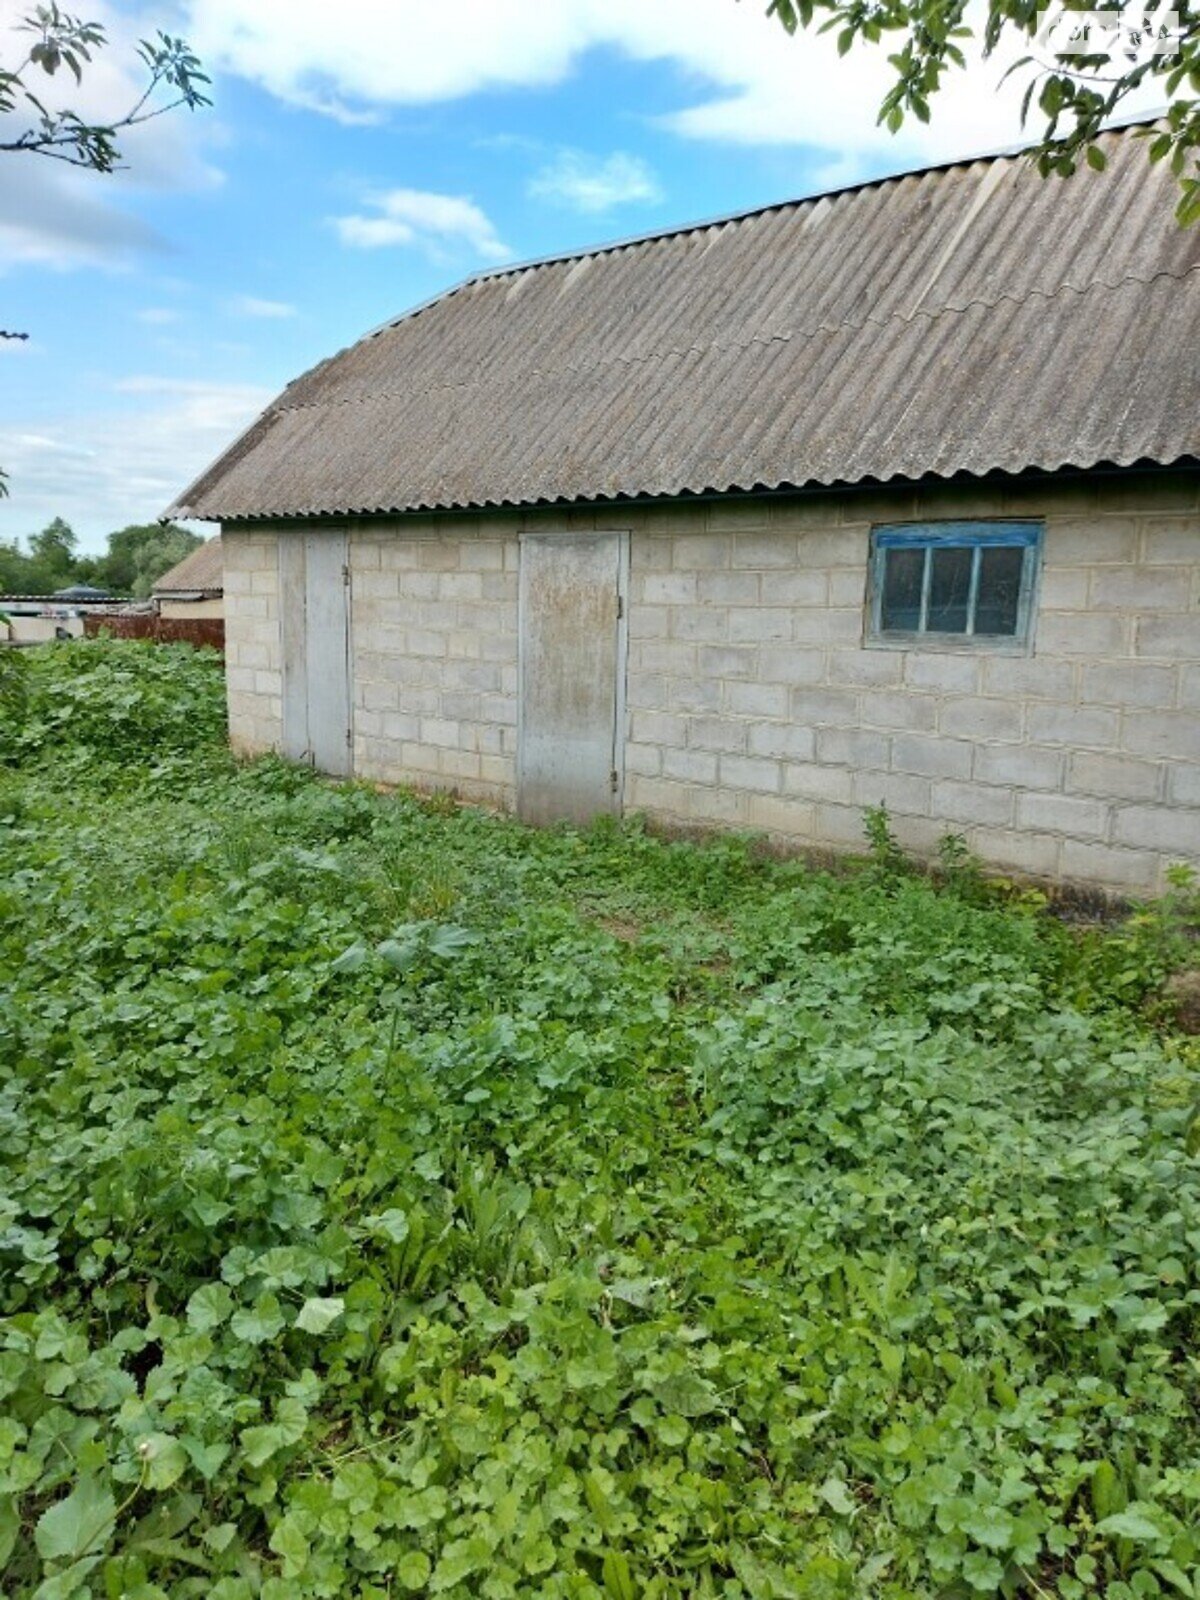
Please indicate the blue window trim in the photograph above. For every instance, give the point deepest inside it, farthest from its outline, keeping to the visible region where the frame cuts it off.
(1024, 534)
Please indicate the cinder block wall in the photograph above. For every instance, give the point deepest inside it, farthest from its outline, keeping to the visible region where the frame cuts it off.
(253, 644)
(434, 654)
(753, 700)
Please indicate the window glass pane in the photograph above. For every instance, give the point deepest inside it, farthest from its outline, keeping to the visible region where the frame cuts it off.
(949, 589)
(999, 589)
(904, 573)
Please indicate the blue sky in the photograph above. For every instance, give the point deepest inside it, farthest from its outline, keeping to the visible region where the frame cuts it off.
(358, 159)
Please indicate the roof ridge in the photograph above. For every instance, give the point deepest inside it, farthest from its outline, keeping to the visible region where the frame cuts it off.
(823, 329)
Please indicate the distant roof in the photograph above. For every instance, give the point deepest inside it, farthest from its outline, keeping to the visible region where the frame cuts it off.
(965, 319)
(81, 591)
(200, 572)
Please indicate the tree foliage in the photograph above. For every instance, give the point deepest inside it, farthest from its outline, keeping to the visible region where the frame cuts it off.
(64, 43)
(1076, 95)
(136, 557)
(54, 42)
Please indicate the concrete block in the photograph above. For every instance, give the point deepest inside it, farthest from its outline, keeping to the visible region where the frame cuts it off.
(1141, 588)
(1171, 540)
(1064, 589)
(735, 515)
(781, 741)
(1116, 777)
(787, 818)
(1029, 677)
(750, 773)
(851, 747)
(656, 727)
(645, 759)
(1090, 541)
(1071, 633)
(825, 707)
(438, 555)
(693, 552)
(1174, 734)
(689, 766)
(481, 555)
(1020, 766)
(693, 694)
(728, 661)
(1063, 813)
(716, 733)
(1034, 855)
(972, 803)
(946, 672)
(900, 708)
(803, 588)
(782, 664)
(752, 699)
(980, 718)
(931, 756)
(709, 624)
(1170, 638)
(759, 624)
(870, 668)
(665, 588)
(812, 782)
(900, 792)
(1129, 683)
(760, 550)
(1183, 784)
(1072, 725)
(649, 622)
(728, 588)
(1172, 832)
(1126, 871)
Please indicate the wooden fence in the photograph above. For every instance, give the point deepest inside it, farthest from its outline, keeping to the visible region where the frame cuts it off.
(163, 630)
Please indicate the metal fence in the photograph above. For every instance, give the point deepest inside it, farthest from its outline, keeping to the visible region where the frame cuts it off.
(208, 631)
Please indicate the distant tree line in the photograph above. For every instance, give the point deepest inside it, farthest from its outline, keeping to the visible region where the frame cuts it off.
(135, 558)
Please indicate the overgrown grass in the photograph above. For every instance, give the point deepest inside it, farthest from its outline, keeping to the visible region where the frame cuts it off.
(398, 1201)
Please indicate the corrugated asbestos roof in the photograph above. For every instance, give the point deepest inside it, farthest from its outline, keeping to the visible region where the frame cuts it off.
(965, 319)
(202, 571)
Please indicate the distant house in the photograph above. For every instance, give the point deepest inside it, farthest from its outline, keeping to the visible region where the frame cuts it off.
(195, 586)
(887, 495)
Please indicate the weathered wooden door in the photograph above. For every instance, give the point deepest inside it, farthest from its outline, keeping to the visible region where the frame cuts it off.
(572, 676)
(315, 600)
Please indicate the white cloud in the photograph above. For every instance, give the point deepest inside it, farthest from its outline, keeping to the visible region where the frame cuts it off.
(54, 215)
(748, 83)
(249, 305)
(594, 183)
(440, 223)
(157, 316)
(124, 463)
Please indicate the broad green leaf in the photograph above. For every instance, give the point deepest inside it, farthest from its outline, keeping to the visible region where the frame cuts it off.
(1133, 1523)
(686, 1393)
(838, 1497)
(317, 1315)
(351, 960)
(78, 1524)
(163, 1458)
(413, 1569)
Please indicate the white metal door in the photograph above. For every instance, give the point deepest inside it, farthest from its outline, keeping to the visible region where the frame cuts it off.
(572, 676)
(314, 596)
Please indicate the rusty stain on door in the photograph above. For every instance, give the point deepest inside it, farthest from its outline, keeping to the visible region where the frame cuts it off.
(572, 676)
(315, 626)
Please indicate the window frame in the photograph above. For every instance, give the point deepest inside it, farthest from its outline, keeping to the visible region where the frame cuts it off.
(1025, 533)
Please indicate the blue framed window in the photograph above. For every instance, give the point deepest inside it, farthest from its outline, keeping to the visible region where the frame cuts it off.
(954, 582)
